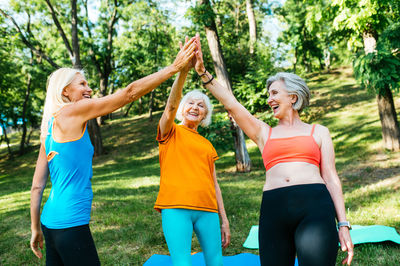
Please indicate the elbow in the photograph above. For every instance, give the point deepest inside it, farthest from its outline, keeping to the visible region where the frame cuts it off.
(37, 189)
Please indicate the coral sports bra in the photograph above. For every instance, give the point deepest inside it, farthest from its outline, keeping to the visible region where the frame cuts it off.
(291, 149)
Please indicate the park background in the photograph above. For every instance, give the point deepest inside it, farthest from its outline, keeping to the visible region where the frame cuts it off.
(348, 51)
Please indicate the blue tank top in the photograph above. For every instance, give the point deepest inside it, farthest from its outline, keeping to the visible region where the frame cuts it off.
(70, 166)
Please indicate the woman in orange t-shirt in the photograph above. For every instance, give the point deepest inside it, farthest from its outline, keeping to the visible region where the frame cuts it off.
(189, 196)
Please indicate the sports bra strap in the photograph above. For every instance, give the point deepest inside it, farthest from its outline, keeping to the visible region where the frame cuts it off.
(269, 133)
(312, 130)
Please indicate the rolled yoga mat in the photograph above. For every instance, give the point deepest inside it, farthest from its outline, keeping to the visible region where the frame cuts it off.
(359, 235)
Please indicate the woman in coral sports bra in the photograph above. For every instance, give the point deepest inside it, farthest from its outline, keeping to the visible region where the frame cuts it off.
(302, 192)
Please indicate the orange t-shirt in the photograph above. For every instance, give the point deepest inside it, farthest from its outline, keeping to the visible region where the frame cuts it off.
(186, 166)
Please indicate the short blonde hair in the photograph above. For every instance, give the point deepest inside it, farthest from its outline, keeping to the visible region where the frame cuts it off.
(55, 100)
(196, 95)
(294, 85)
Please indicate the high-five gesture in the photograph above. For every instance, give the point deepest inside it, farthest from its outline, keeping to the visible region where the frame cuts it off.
(199, 63)
(185, 54)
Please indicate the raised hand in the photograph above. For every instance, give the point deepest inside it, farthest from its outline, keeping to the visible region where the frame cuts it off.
(191, 62)
(199, 63)
(185, 55)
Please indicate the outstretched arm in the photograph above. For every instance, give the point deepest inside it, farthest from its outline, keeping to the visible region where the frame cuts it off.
(174, 98)
(255, 129)
(87, 109)
(331, 178)
(38, 184)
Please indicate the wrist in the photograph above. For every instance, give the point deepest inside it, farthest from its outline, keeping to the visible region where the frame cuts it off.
(173, 69)
(225, 221)
(344, 224)
(35, 229)
(201, 70)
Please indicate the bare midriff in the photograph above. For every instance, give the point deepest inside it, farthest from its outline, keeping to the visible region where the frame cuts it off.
(292, 173)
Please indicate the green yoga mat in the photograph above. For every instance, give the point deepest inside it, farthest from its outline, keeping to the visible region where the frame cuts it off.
(359, 234)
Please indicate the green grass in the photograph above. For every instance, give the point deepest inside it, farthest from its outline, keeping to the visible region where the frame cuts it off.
(127, 230)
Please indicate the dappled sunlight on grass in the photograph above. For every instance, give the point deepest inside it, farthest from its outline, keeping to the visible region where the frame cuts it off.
(377, 203)
(14, 201)
(126, 228)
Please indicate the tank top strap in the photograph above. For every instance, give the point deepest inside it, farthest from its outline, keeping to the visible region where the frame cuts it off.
(312, 130)
(269, 133)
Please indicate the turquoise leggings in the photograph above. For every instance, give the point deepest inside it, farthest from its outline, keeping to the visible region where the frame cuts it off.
(178, 225)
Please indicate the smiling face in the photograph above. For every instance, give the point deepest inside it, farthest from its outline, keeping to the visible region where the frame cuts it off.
(78, 89)
(280, 101)
(194, 111)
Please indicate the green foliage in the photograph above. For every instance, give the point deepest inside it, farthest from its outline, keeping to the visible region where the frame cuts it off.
(201, 15)
(219, 132)
(307, 31)
(357, 17)
(380, 69)
(146, 45)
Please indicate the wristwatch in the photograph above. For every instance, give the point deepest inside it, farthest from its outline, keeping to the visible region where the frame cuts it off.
(344, 223)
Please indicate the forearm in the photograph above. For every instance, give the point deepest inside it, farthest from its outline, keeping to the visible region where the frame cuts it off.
(222, 93)
(38, 184)
(144, 85)
(221, 208)
(335, 190)
(176, 91)
(36, 199)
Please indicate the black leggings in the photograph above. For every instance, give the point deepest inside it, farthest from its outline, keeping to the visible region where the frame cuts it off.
(70, 246)
(298, 219)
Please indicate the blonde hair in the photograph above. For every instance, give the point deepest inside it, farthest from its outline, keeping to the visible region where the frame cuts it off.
(196, 95)
(55, 100)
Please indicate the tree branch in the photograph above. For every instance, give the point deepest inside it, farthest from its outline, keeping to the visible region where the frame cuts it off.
(92, 49)
(39, 51)
(60, 29)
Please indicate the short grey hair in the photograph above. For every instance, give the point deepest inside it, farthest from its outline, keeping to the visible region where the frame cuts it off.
(196, 95)
(294, 85)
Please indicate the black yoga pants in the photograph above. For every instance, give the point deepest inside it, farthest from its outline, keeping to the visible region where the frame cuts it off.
(298, 220)
(70, 246)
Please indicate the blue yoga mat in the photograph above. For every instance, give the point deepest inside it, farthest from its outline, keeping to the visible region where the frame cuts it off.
(198, 260)
(359, 235)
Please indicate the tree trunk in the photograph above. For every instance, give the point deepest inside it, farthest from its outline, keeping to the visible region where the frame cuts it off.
(327, 59)
(28, 139)
(93, 127)
(252, 25)
(151, 106)
(103, 92)
(76, 61)
(388, 117)
(7, 140)
(243, 163)
(387, 111)
(24, 107)
(95, 136)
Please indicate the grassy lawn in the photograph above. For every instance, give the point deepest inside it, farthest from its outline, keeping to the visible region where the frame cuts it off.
(127, 230)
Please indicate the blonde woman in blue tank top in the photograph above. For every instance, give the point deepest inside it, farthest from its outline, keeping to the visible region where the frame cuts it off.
(66, 155)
